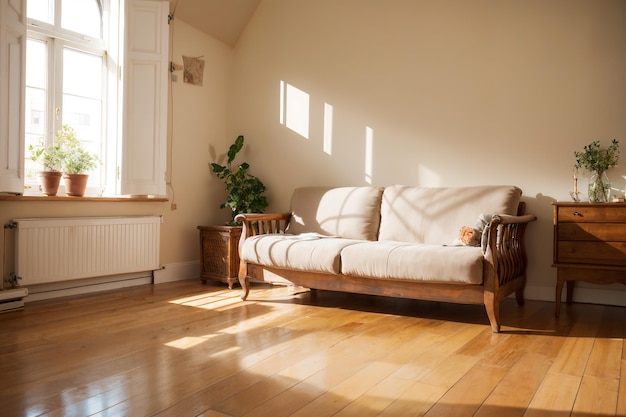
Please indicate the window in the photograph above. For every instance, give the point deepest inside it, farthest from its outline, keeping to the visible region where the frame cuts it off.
(75, 75)
(66, 80)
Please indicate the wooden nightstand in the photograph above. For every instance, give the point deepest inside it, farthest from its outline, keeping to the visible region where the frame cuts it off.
(589, 245)
(219, 254)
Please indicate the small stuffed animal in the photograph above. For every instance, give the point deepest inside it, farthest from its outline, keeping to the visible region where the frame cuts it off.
(468, 236)
(475, 236)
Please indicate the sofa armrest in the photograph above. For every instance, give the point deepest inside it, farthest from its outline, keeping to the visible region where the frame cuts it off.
(526, 218)
(506, 250)
(262, 223)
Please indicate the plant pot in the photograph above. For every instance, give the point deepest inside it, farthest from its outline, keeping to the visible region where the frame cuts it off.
(75, 184)
(50, 181)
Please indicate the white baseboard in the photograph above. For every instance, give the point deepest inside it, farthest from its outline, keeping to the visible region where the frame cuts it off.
(177, 272)
(85, 286)
(613, 294)
(168, 273)
(13, 294)
(7, 306)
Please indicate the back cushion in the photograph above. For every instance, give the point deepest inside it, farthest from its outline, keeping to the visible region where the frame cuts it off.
(435, 215)
(348, 212)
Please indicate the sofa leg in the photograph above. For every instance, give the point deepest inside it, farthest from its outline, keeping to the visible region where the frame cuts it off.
(245, 287)
(493, 319)
(493, 312)
(519, 296)
(244, 281)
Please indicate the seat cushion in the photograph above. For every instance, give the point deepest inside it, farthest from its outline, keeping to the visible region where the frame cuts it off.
(347, 212)
(417, 262)
(308, 251)
(435, 215)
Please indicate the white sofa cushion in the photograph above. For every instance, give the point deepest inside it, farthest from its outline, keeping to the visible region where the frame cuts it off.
(348, 212)
(307, 251)
(414, 262)
(435, 215)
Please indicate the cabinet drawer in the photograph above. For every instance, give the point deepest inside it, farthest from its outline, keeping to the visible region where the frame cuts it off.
(582, 213)
(597, 253)
(614, 232)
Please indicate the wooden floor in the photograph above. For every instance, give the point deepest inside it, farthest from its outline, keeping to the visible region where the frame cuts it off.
(187, 349)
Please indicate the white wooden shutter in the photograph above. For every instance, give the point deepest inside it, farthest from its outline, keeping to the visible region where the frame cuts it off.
(12, 79)
(144, 139)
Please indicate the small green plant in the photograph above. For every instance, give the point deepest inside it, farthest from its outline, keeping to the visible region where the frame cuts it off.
(49, 157)
(245, 191)
(75, 159)
(595, 159)
(65, 154)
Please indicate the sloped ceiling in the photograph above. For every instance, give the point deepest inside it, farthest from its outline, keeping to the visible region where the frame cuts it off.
(221, 19)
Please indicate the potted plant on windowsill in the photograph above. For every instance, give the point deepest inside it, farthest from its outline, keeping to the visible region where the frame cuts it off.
(245, 191)
(50, 158)
(76, 163)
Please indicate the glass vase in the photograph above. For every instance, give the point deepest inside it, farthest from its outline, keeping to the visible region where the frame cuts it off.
(599, 188)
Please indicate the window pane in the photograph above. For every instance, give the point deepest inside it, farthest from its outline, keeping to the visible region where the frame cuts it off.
(82, 100)
(40, 10)
(82, 16)
(82, 73)
(85, 116)
(36, 63)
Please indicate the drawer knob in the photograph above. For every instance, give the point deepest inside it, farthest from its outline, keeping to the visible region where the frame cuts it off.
(577, 214)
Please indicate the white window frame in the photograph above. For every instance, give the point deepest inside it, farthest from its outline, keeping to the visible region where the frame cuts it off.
(139, 137)
(57, 39)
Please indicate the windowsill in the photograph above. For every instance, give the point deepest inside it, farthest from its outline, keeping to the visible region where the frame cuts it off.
(121, 198)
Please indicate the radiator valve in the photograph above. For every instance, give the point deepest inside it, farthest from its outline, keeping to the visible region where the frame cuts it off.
(13, 280)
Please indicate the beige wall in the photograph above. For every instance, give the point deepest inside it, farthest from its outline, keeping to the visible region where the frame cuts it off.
(198, 122)
(452, 92)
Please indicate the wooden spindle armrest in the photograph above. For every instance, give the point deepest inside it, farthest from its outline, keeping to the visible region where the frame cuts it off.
(507, 219)
(506, 246)
(262, 223)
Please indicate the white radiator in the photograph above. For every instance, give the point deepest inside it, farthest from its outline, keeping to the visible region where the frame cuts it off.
(62, 249)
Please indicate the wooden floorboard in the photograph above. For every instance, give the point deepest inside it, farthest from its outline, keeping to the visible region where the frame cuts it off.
(188, 349)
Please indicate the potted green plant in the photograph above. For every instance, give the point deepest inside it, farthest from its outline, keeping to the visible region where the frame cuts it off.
(50, 158)
(597, 160)
(76, 163)
(245, 191)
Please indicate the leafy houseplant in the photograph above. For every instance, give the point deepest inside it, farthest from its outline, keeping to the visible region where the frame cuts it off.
(597, 160)
(50, 158)
(76, 161)
(245, 191)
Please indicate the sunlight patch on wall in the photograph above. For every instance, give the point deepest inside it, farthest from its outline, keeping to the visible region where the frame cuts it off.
(429, 176)
(369, 147)
(328, 129)
(294, 109)
(281, 104)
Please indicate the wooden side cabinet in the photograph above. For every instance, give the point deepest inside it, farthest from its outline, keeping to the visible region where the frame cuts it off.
(219, 253)
(589, 245)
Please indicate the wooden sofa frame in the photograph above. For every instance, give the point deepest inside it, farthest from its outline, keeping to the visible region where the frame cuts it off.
(504, 268)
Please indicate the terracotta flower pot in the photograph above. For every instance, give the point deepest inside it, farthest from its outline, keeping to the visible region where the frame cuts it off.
(50, 181)
(75, 184)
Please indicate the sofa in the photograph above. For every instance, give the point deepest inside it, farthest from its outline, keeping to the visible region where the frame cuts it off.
(449, 244)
